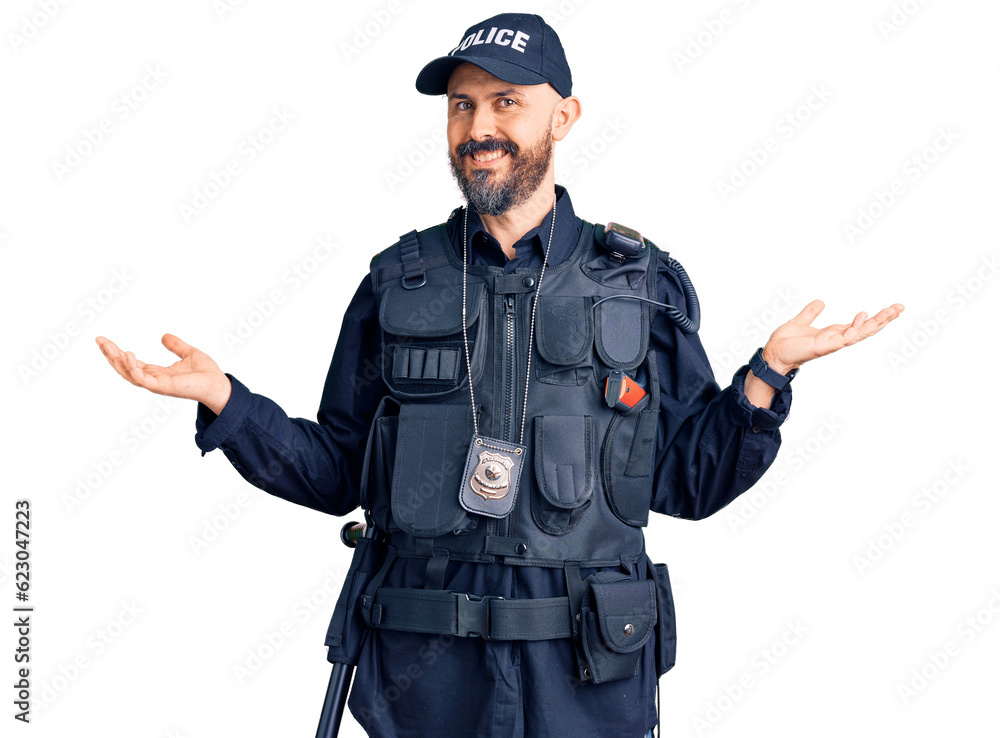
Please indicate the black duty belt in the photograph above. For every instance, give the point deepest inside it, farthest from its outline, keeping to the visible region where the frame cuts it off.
(461, 614)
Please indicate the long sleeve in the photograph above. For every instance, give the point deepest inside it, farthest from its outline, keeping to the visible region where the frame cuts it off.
(712, 444)
(315, 464)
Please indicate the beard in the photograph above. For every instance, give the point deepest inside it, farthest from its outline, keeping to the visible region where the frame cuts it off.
(489, 192)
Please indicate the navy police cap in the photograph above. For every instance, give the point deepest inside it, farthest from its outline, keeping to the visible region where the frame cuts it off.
(515, 47)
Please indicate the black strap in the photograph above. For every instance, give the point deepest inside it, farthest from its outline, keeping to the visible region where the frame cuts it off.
(437, 565)
(394, 271)
(369, 612)
(575, 588)
(462, 614)
(409, 253)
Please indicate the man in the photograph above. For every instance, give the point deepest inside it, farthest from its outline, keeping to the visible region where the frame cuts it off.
(543, 387)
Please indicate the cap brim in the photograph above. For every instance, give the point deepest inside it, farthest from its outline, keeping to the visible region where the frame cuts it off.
(433, 78)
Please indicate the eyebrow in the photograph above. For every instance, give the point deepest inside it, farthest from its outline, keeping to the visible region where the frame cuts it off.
(502, 93)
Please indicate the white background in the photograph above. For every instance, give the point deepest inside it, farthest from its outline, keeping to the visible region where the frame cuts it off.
(657, 136)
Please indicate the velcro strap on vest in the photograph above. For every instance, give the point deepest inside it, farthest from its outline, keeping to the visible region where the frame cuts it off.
(467, 615)
(409, 252)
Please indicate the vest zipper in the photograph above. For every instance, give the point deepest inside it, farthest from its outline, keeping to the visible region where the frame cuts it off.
(509, 369)
(510, 365)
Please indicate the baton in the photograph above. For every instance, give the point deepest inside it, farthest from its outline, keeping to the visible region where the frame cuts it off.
(340, 676)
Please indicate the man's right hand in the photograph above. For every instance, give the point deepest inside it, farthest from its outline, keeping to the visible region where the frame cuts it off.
(195, 377)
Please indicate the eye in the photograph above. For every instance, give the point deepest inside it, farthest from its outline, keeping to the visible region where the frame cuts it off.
(505, 100)
(460, 105)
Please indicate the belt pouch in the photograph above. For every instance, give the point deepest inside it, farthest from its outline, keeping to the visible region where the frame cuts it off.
(617, 618)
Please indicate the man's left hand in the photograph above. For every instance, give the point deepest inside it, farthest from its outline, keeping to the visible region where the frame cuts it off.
(797, 341)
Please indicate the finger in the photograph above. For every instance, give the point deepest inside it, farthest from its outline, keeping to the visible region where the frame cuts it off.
(881, 319)
(175, 344)
(890, 313)
(135, 371)
(116, 358)
(859, 320)
(108, 347)
(809, 312)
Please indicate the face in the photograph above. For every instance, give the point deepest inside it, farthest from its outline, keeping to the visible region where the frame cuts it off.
(500, 138)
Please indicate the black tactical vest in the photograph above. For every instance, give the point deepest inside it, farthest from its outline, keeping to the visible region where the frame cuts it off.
(586, 482)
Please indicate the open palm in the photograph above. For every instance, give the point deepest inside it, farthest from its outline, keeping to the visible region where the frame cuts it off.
(195, 376)
(797, 341)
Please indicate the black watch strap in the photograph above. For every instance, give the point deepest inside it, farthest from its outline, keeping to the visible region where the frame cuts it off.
(766, 374)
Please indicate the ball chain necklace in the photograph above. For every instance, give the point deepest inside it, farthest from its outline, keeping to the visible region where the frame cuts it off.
(493, 466)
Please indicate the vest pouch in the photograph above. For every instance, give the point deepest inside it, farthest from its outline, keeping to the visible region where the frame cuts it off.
(564, 471)
(343, 636)
(379, 461)
(565, 339)
(422, 345)
(621, 331)
(666, 623)
(431, 445)
(627, 452)
(616, 620)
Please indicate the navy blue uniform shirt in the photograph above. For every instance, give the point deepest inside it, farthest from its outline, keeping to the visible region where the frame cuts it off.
(712, 445)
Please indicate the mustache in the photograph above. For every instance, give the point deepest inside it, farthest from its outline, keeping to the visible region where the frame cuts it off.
(470, 148)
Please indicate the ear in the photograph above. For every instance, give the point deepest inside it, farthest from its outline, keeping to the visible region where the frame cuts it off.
(566, 112)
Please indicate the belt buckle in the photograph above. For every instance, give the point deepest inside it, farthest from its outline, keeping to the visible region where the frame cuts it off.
(473, 614)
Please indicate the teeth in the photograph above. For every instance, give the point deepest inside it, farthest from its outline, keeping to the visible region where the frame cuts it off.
(490, 156)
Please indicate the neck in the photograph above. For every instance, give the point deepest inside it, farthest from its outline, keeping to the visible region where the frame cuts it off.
(512, 225)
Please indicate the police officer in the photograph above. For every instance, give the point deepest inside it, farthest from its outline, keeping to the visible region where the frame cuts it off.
(542, 387)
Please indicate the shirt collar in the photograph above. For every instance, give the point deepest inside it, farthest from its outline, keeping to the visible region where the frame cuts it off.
(484, 249)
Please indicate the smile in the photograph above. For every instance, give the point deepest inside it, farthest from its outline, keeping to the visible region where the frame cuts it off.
(488, 157)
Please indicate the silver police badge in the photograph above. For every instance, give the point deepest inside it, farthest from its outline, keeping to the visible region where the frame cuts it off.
(491, 479)
(492, 471)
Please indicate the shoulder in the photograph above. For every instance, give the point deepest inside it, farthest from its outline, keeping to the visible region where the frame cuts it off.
(427, 238)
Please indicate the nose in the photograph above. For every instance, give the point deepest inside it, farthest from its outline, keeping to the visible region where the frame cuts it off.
(483, 124)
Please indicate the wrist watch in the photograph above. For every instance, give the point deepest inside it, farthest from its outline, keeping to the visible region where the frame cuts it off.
(766, 374)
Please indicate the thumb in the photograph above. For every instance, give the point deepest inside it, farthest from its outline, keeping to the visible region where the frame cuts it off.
(177, 346)
(809, 312)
